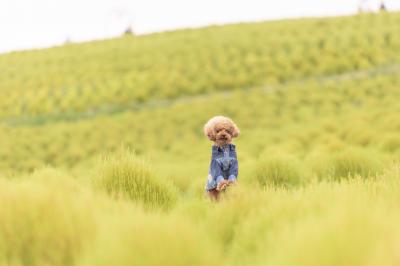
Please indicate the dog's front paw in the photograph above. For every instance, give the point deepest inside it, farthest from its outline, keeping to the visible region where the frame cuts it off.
(222, 185)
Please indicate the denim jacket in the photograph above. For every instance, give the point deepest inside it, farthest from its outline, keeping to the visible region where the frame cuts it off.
(224, 165)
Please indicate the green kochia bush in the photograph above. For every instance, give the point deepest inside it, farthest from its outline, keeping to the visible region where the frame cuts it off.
(44, 222)
(354, 222)
(152, 239)
(391, 143)
(281, 170)
(125, 175)
(351, 162)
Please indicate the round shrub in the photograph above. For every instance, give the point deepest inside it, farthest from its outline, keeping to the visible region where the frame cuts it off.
(149, 240)
(391, 143)
(44, 222)
(123, 174)
(281, 170)
(352, 162)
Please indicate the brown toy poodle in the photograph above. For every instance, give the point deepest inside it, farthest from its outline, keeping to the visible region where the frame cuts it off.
(224, 164)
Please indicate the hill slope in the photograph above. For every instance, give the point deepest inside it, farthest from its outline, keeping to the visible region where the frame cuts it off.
(154, 93)
(117, 73)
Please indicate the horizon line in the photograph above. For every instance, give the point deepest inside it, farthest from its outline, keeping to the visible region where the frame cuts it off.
(69, 41)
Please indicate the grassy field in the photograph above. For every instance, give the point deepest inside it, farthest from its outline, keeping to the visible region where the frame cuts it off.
(103, 159)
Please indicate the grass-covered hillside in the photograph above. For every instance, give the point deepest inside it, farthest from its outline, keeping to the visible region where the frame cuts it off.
(103, 159)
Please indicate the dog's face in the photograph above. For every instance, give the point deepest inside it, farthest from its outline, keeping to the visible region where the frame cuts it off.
(221, 130)
(223, 133)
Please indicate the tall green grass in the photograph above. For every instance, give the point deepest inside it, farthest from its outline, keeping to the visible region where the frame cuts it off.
(351, 223)
(45, 219)
(280, 169)
(50, 218)
(123, 174)
(148, 240)
(350, 162)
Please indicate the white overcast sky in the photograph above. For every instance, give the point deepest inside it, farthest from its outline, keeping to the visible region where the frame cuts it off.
(26, 24)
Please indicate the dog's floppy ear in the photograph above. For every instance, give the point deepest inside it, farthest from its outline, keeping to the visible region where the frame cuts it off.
(236, 131)
(210, 133)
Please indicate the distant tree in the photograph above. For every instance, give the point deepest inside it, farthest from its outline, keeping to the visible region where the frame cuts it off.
(124, 16)
(67, 40)
(382, 7)
(129, 31)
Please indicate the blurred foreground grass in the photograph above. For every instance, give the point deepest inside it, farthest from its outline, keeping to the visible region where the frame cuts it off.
(52, 219)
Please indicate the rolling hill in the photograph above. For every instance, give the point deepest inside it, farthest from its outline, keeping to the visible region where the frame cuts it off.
(103, 156)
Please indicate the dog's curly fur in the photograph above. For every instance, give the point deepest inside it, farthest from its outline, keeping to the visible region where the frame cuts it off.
(221, 130)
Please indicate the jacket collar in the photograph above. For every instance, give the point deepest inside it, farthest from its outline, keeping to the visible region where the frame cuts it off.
(217, 148)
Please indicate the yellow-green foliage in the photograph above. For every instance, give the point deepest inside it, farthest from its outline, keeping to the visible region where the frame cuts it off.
(124, 174)
(44, 220)
(317, 102)
(352, 162)
(300, 118)
(147, 240)
(323, 224)
(279, 170)
(117, 74)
